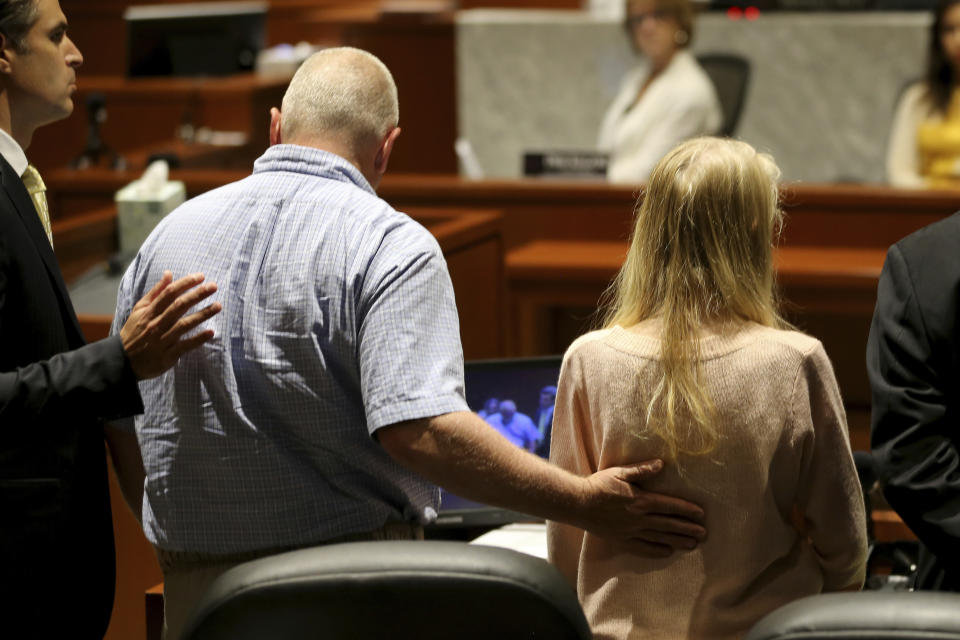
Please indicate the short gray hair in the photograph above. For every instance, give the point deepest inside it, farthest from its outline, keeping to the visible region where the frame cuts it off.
(16, 18)
(342, 91)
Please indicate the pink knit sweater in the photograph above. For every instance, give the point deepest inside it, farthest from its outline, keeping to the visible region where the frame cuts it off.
(784, 446)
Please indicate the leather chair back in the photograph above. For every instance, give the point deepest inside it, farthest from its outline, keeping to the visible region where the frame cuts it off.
(731, 78)
(398, 589)
(868, 615)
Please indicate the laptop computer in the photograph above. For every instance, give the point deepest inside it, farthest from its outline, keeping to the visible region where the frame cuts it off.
(515, 396)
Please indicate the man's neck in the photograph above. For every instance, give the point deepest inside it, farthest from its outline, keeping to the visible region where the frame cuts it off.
(337, 147)
(18, 130)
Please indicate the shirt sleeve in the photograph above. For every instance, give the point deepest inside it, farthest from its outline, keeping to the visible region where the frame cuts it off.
(913, 430)
(569, 450)
(411, 360)
(829, 494)
(903, 159)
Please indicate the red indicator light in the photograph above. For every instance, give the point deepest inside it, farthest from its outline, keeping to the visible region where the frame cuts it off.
(751, 13)
(734, 13)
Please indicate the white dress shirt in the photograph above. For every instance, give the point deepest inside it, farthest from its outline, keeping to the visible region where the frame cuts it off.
(13, 153)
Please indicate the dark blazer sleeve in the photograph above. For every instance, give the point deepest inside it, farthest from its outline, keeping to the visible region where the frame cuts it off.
(914, 423)
(94, 381)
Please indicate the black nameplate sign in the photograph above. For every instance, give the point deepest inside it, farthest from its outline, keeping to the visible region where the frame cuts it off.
(585, 164)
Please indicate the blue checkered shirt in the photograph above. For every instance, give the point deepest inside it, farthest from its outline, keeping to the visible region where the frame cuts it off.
(338, 319)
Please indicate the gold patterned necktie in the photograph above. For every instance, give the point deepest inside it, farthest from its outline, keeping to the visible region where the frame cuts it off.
(38, 193)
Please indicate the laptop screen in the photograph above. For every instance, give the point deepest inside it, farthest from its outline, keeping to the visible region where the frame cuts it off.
(515, 396)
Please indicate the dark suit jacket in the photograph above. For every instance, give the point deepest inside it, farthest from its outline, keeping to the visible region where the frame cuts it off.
(56, 536)
(913, 361)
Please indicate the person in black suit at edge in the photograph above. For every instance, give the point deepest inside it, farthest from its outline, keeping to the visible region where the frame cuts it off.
(913, 361)
(56, 540)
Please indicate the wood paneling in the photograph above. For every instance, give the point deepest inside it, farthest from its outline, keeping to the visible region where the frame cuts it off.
(98, 28)
(137, 571)
(144, 112)
(816, 215)
(414, 38)
(419, 51)
(524, 4)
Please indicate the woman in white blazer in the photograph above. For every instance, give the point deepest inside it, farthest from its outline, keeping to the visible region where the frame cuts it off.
(667, 98)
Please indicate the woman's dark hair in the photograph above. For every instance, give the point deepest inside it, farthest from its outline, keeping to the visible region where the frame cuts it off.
(941, 76)
(16, 18)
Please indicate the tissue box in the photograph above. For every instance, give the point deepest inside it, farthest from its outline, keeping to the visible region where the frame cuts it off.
(137, 215)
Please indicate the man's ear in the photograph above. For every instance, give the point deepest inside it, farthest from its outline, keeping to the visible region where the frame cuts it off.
(6, 49)
(386, 148)
(275, 118)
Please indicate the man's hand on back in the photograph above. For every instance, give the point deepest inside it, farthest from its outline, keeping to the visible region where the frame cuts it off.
(153, 334)
(464, 454)
(658, 523)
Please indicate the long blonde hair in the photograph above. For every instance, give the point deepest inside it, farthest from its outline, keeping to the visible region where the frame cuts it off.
(701, 254)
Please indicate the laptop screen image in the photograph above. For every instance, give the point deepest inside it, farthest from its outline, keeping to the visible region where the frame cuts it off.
(515, 396)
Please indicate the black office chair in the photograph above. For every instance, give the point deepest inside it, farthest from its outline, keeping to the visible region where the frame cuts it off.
(427, 590)
(868, 615)
(731, 77)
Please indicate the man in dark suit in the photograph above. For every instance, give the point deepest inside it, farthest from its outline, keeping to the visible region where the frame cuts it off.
(56, 539)
(913, 361)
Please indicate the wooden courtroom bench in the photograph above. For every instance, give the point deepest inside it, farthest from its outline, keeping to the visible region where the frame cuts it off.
(547, 277)
(850, 217)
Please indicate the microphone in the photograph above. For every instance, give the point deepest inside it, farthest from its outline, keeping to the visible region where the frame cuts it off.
(95, 148)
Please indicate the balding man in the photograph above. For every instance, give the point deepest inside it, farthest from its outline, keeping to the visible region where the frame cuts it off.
(331, 400)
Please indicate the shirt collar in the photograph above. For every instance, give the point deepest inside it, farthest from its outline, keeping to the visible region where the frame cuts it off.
(12, 153)
(311, 161)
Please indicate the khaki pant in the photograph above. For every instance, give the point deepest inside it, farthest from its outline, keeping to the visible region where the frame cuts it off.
(187, 576)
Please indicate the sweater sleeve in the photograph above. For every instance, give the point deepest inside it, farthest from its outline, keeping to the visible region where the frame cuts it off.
(568, 450)
(829, 494)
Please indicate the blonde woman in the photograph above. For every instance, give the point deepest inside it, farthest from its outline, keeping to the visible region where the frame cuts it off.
(696, 367)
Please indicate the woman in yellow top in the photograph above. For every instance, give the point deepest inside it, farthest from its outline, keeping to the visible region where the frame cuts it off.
(695, 367)
(924, 146)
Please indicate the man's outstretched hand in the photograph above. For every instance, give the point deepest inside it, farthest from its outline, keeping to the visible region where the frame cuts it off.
(660, 524)
(153, 334)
